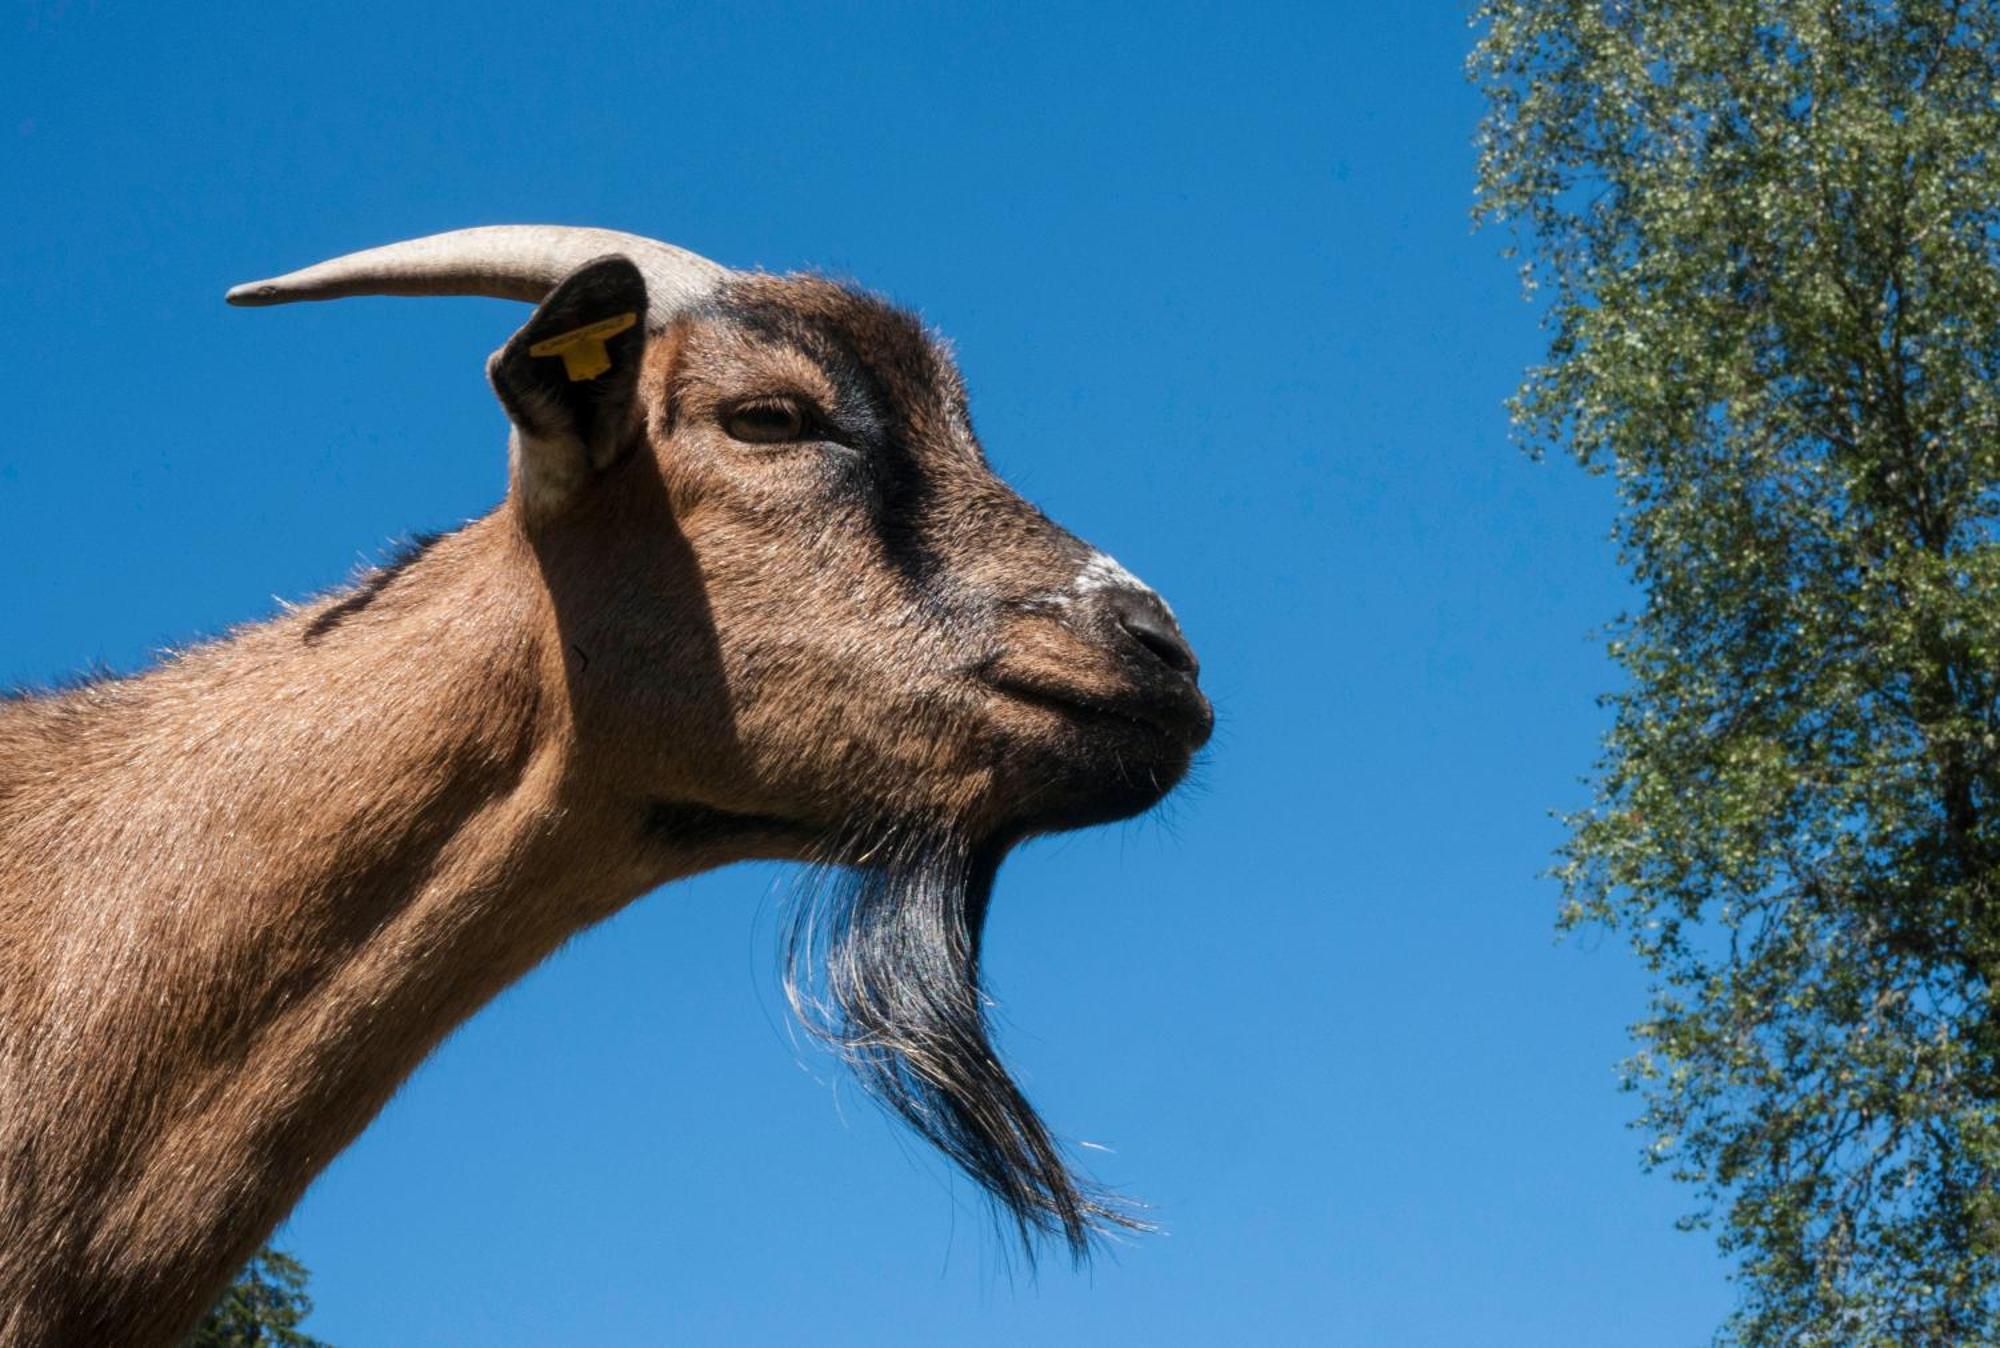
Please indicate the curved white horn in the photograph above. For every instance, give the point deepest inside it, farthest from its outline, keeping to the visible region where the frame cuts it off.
(511, 262)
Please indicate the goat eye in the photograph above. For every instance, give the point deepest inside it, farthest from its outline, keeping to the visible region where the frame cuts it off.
(766, 423)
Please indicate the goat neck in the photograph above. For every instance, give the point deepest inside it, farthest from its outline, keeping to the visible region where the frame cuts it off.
(312, 851)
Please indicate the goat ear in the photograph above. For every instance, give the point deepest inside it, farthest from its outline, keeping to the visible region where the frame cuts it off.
(569, 382)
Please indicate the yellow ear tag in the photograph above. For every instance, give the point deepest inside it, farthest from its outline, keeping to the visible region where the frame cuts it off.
(582, 350)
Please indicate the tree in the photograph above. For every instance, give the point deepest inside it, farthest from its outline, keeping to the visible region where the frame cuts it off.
(263, 1306)
(1769, 233)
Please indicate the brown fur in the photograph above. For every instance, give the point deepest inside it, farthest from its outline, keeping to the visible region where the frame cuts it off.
(242, 895)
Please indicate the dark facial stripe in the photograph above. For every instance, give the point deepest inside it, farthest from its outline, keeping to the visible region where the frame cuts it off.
(878, 360)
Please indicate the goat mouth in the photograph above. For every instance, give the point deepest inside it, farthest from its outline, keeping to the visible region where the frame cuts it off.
(1182, 715)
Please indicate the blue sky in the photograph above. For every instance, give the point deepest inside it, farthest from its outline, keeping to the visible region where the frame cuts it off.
(1210, 275)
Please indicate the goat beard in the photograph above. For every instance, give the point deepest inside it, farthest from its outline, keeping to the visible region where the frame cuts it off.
(883, 964)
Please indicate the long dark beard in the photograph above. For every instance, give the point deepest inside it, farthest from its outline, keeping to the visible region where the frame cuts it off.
(882, 962)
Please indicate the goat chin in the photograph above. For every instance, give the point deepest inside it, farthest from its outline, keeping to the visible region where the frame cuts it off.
(1114, 773)
(882, 963)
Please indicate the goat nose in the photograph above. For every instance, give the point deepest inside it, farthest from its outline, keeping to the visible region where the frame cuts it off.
(1145, 619)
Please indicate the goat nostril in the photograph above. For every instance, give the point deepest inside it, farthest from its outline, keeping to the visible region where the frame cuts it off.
(1148, 625)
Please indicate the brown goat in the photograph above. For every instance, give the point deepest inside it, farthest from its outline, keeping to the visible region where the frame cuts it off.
(754, 592)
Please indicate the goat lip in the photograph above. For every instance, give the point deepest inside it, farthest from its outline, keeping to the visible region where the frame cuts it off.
(1182, 714)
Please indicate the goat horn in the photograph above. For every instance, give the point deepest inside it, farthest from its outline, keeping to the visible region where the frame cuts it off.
(509, 262)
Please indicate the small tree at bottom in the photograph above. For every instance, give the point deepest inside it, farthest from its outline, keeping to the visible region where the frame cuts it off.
(263, 1306)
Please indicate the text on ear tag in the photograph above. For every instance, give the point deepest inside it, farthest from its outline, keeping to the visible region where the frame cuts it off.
(582, 349)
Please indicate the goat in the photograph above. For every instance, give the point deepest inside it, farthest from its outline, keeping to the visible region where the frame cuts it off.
(753, 592)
